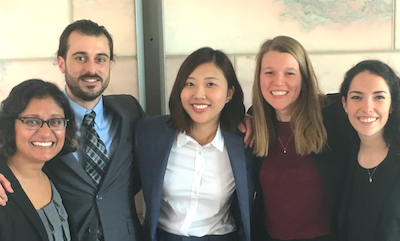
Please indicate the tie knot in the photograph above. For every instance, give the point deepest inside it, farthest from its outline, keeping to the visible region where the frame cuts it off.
(88, 119)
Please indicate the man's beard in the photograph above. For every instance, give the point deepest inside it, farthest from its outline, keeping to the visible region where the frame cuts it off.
(79, 93)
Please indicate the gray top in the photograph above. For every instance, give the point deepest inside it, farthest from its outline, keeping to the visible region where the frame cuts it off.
(55, 218)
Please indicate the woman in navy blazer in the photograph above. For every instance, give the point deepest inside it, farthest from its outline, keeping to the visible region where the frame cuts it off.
(196, 175)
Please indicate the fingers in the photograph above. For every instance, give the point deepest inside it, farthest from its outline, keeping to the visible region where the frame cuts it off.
(5, 185)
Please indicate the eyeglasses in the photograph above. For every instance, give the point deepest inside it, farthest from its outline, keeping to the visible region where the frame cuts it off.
(55, 124)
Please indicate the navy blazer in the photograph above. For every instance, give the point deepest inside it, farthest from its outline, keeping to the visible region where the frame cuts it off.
(153, 143)
(385, 215)
(111, 204)
(19, 219)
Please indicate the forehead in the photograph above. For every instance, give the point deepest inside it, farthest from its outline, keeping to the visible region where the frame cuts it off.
(89, 44)
(42, 105)
(278, 59)
(207, 69)
(368, 82)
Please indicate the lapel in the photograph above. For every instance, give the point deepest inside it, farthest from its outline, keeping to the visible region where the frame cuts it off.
(164, 144)
(71, 162)
(23, 201)
(237, 157)
(391, 169)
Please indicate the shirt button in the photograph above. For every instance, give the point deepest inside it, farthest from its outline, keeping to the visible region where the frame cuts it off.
(195, 192)
(92, 230)
(200, 153)
(98, 197)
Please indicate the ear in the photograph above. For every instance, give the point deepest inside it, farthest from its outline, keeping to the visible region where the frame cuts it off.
(344, 103)
(112, 64)
(61, 64)
(230, 93)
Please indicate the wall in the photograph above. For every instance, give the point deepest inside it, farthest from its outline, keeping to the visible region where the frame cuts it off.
(336, 33)
(30, 30)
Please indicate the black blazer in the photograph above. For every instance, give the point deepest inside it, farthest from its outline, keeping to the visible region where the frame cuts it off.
(19, 219)
(153, 143)
(385, 216)
(331, 164)
(112, 203)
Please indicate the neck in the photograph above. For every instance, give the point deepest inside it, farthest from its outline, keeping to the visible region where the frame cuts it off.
(25, 170)
(89, 105)
(283, 116)
(203, 134)
(372, 151)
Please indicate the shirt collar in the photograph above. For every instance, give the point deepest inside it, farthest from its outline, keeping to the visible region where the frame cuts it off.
(80, 111)
(218, 141)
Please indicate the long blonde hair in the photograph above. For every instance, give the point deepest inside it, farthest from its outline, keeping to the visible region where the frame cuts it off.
(306, 120)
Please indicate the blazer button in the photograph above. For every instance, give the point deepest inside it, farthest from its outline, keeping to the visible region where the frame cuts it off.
(98, 197)
(92, 230)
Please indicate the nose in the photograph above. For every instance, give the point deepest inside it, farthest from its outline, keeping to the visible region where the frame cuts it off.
(45, 129)
(199, 92)
(368, 105)
(90, 67)
(278, 79)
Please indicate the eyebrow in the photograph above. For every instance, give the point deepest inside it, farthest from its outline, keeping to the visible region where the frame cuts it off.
(375, 92)
(85, 53)
(189, 77)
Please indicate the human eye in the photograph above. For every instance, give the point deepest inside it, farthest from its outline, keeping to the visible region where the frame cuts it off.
(32, 121)
(210, 84)
(380, 97)
(289, 73)
(80, 58)
(268, 72)
(189, 84)
(355, 97)
(101, 59)
(55, 122)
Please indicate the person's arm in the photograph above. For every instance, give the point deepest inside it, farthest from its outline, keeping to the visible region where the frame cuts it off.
(5, 185)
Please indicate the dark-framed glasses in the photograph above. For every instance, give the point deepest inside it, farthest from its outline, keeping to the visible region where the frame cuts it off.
(32, 123)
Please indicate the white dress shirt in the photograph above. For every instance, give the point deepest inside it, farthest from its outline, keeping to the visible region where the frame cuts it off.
(197, 190)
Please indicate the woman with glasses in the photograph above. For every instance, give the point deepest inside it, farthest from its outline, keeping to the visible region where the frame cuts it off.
(36, 124)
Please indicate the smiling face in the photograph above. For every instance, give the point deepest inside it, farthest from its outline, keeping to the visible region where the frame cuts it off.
(205, 95)
(280, 81)
(86, 67)
(368, 104)
(43, 144)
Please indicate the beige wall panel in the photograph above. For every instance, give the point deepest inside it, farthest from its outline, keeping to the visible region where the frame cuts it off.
(397, 24)
(330, 69)
(13, 73)
(245, 67)
(30, 29)
(124, 78)
(238, 26)
(118, 16)
(172, 65)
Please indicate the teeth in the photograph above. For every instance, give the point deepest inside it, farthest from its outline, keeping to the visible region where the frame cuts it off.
(370, 119)
(200, 106)
(42, 143)
(90, 80)
(279, 92)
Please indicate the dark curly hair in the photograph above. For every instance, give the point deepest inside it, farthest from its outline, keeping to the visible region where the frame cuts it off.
(16, 103)
(391, 133)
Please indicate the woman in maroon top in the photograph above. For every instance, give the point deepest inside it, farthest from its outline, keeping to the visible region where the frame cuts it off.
(299, 189)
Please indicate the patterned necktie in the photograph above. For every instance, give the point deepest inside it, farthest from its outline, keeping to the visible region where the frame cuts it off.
(96, 152)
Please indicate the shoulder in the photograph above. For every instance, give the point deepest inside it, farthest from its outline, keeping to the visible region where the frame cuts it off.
(124, 105)
(153, 121)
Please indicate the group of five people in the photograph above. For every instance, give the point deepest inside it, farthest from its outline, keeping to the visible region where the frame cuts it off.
(75, 158)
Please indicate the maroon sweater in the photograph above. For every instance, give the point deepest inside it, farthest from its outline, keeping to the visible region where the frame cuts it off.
(295, 200)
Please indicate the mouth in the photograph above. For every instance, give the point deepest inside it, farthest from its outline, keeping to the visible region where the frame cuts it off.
(279, 93)
(44, 144)
(200, 106)
(90, 80)
(367, 119)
